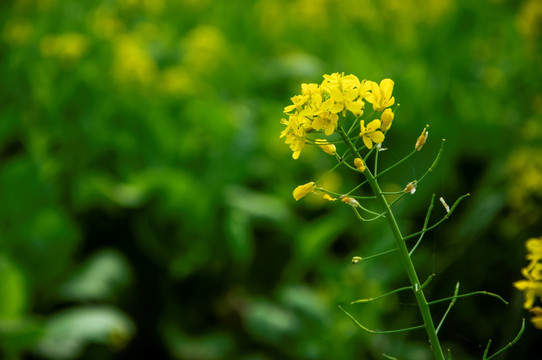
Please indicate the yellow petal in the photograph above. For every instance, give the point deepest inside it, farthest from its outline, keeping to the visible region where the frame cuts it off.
(377, 136)
(367, 142)
(329, 128)
(328, 148)
(387, 119)
(354, 107)
(373, 125)
(358, 163)
(303, 190)
(386, 88)
(362, 127)
(336, 95)
(337, 107)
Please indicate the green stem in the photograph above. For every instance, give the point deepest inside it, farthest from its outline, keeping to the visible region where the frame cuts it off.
(405, 258)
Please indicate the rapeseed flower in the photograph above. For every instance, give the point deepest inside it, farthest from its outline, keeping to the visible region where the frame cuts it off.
(319, 107)
(380, 95)
(327, 121)
(371, 133)
(303, 190)
(532, 284)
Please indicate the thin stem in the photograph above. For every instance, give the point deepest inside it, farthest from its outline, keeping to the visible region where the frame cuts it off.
(435, 162)
(507, 345)
(431, 168)
(440, 221)
(379, 331)
(389, 357)
(396, 164)
(377, 217)
(424, 226)
(467, 295)
(356, 212)
(456, 291)
(429, 278)
(405, 258)
(357, 187)
(381, 296)
(379, 254)
(376, 162)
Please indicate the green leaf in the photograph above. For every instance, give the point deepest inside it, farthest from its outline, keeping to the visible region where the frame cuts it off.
(68, 332)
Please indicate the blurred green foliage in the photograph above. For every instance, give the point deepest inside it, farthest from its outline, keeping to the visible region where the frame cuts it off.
(146, 207)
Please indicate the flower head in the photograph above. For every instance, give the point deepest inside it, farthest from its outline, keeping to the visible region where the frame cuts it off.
(303, 190)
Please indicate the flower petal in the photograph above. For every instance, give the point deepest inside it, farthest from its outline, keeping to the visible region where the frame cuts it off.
(377, 136)
(367, 142)
(386, 88)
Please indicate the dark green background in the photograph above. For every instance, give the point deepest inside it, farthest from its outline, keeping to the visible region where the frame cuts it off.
(146, 205)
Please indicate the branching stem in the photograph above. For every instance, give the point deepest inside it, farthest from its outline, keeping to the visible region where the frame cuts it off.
(403, 252)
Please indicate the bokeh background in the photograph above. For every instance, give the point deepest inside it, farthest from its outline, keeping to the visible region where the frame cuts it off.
(146, 206)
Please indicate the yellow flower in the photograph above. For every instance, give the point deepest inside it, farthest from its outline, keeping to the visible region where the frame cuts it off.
(386, 119)
(303, 190)
(309, 89)
(422, 139)
(340, 81)
(370, 133)
(531, 288)
(328, 148)
(327, 121)
(295, 133)
(534, 247)
(346, 101)
(358, 163)
(380, 96)
(365, 89)
(298, 102)
(537, 318)
(329, 198)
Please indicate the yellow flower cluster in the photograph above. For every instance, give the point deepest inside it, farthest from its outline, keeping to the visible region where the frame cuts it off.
(532, 286)
(318, 107)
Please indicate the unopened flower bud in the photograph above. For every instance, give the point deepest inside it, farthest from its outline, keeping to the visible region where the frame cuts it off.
(329, 198)
(328, 148)
(358, 163)
(386, 119)
(411, 187)
(422, 139)
(356, 259)
(303, 190)
(349, 201)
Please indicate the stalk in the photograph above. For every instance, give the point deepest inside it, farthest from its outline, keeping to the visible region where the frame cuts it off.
(403, 252)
